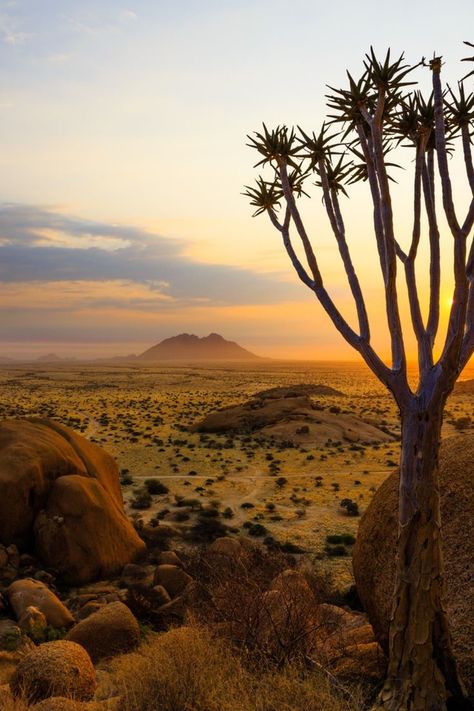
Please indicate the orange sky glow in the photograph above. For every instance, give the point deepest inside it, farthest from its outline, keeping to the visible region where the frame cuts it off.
(123, 160)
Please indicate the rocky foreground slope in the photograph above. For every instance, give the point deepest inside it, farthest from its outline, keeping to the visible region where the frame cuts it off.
(82, 648)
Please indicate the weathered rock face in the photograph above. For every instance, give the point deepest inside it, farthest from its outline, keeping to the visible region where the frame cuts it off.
(61, 494)
(374, 552)
(55, 669)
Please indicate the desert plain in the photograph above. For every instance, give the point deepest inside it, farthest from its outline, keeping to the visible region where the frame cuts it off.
(282, 484)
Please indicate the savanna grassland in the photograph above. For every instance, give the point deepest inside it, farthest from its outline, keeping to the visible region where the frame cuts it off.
(283, 490)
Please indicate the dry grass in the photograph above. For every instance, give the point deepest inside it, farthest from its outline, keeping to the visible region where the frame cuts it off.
(8, 703)
(189, 669)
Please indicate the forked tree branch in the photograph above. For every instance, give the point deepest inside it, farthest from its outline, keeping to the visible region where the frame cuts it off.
(375, 363)
(393, 313)
(466, 144)
(337, 223)
(450, 356)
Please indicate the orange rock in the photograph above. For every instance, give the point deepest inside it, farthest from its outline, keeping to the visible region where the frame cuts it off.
(83, 532)
(66, 491)
(26, 593)
(111, 630)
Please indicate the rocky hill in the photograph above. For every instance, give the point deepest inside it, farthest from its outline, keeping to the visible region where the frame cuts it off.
(289, 414)
(189, 347)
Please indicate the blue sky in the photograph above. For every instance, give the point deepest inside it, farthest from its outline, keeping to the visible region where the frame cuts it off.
(129, 118)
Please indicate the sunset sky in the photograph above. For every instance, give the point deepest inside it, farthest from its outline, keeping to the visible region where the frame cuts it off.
(123, 159)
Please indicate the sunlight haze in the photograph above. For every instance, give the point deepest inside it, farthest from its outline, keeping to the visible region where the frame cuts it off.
(123, 160)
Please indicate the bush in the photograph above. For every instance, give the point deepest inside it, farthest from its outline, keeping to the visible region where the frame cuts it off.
(346, 538)
(336, 551)
(155, 486)
(257, 530)
(142, 499)
(206, 530)
(351, 507)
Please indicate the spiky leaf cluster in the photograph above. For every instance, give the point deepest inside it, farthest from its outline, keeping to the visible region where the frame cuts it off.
(468, 59)
(413, 119)
(356, 105)
(338, 174)
(264, 195)
(275, 146)
(359, 171)
(459, 109)
(316, 148)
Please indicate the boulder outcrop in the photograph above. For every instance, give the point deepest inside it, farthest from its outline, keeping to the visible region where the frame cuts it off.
(60, 495)
(374, 551)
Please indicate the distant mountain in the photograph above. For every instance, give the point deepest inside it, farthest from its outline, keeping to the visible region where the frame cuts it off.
(189, 347)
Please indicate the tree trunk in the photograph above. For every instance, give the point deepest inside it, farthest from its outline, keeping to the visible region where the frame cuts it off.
(422, 673)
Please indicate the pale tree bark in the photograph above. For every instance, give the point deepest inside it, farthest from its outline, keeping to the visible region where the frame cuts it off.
(422, 671)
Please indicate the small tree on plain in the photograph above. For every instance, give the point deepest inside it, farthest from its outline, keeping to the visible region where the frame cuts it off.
(374, 115)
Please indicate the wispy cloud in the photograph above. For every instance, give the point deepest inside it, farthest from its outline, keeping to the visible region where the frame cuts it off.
(43, 245)
(10, 30)
(127, 16)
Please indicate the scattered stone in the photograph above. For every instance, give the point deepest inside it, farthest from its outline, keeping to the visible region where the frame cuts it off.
(161, 595)
(361, 660)
(173, 579)
(83, 532)
(33, 623)
(169, 558)
(25, 593)
(346, 644)
(60, 668)
(173, 612)
(111, 630)
(133, 575)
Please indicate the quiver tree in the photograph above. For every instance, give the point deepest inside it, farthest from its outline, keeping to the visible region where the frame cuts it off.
(368, 120)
